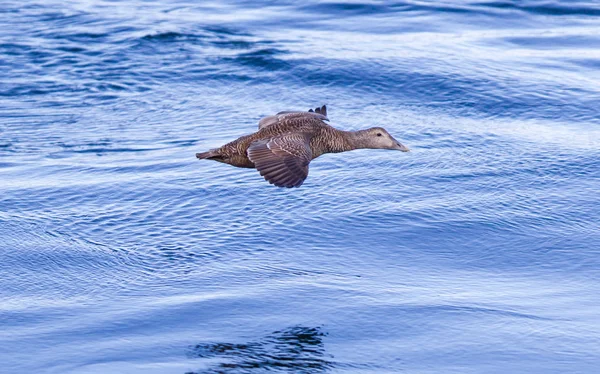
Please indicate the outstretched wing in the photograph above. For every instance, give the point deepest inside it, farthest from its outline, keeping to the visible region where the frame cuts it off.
(281, 117)
(282, 160)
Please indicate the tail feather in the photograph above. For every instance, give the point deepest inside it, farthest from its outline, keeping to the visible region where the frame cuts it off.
(207, 155)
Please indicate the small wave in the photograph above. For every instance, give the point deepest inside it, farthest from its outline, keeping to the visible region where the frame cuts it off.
(556, 42)
(71, 49)
(262, 58)
(591, 63)
(345, 8)
(222, 30)
(207, 32)
(435, 309)
(551, 9)
(237, 44)
(172, 36)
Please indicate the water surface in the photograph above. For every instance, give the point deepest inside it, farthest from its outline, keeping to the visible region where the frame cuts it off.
(475, 253)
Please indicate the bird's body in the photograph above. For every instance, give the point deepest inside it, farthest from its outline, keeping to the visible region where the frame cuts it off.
(286, 142)
(322, 138)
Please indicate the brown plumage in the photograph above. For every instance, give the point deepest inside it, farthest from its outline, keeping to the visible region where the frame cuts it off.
(286, 142)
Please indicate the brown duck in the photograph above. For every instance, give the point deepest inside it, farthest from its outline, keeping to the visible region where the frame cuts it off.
(285, 144)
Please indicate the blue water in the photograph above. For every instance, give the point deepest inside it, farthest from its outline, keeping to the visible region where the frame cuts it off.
(477, 252)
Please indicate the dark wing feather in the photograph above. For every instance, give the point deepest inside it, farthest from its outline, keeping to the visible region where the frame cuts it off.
(322, 110)
(321, 114)
(282, 160)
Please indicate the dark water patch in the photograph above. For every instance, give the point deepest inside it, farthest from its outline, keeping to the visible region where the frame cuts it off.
(171, 36)
(226, 31)
(79, 37)
(28, 54)
(4, 145)
(72, 49)
(168, 36)
(494, 9)
(442, 8)
(174, 9)
(180, 256)
(345, 9)
(42, 14)
(262, 58)
(42, 88)
(219, 39)
(591, 63)
(556, 8)
(14, 49)
(414, 8)
(82, 36)
(238, 44)
(554, 42)
(106, 87)
(296, 349)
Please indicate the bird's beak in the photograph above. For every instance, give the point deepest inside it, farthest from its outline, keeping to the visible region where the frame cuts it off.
(402, 147)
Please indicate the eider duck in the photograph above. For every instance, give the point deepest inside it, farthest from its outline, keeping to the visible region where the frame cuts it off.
(286, 142)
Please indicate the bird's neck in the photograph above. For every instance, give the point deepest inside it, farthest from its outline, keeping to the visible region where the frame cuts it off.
(336, 141)
(354, 139)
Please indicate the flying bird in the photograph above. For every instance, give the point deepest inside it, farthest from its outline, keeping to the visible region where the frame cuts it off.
(287, 142)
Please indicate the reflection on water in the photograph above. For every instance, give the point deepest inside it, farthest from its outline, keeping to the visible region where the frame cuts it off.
(294, 350)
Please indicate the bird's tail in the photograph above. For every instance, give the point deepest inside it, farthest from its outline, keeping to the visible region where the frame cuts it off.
(207, 155)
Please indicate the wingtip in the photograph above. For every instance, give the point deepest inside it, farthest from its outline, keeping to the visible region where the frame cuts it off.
(322, 110)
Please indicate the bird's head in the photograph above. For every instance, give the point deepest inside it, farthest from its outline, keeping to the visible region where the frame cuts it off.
(378, 138)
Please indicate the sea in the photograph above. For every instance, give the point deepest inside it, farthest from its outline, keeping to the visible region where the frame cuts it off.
(476, 252)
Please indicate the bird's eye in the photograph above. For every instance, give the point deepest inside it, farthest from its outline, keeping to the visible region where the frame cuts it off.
(378, 134)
